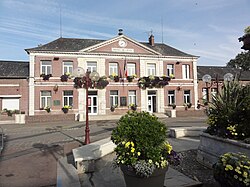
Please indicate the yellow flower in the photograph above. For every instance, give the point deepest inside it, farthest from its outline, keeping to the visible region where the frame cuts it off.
(132, 144)
(150, 161)
(245, 174)
(238, 171)
(132, 150)
(127, 144)
(229, 167)
(123, 142)
(138, 153)
(169, 147)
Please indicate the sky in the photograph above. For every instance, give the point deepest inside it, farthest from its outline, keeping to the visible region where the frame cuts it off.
(206, 28)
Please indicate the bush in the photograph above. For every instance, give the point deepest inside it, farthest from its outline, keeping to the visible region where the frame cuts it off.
(229, 112)
(233, 170)
(141, 143)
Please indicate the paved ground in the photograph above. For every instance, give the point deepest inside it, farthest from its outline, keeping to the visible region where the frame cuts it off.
(31, 151)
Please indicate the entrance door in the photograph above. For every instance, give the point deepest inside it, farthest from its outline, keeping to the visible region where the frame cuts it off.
(151, 101)
(92, 101)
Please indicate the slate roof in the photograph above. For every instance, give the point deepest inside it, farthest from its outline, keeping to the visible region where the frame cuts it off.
(14, 69)
(221, 71)
(75, 45)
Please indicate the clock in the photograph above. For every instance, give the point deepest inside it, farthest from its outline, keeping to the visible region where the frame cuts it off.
(122, 43)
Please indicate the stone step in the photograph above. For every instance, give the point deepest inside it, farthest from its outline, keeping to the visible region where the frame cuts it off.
(179, 132)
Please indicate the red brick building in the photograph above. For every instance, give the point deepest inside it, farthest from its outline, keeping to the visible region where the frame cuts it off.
(14, 81)
(121, 56)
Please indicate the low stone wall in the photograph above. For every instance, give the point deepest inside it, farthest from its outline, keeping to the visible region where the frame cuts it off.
(190, 113)
(49, 118)
(212, 147)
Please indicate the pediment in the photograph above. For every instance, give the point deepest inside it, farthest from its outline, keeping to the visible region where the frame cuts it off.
(122, 45)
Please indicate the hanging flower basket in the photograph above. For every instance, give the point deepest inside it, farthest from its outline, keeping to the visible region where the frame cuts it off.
(153, 82)
(45, 77)
(64, 78)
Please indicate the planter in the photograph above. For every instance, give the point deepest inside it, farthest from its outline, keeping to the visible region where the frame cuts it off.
(173, 113)
(20, 118)
(65, 110)
(116, 79)
(156, 179)
(212, 147)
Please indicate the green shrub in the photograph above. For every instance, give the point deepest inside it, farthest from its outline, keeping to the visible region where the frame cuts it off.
(229, 112)
(141, 141)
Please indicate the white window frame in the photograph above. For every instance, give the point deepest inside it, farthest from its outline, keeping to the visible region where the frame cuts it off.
(204, 93)
(131, 67)
(69, 98)
(187, 96)
(170, 69)
(114, 98)
(186, 71)
(68, 67)
(45, 100)
(171, 97)
(213, 91)
(92, 66)
(46, 67)
(132, 97)
(151, 69)
(113, 68)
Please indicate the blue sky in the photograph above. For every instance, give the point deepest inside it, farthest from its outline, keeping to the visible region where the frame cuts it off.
(207, 28)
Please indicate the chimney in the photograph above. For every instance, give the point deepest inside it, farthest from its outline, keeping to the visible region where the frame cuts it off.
(151, 40)
(120, 32)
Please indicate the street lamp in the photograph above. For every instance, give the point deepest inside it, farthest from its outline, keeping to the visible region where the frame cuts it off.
(87, 78)
(228, 77)
(207, 79)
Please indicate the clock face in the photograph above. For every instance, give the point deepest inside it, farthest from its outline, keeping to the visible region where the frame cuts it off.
(122, 43)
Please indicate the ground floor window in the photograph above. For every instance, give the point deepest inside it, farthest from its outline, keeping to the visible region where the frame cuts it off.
(68, 98)
(171, 97)
(113, 97)
(187, 96)
(45, 99)
(131, 97)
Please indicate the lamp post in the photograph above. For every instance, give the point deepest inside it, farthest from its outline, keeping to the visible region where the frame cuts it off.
(228, 77)
(207, 79)
(88, 77)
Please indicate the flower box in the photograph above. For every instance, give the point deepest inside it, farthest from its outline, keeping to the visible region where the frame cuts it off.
(212, 147)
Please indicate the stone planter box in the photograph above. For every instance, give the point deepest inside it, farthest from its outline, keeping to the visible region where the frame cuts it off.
(212, 147)
(20, 118)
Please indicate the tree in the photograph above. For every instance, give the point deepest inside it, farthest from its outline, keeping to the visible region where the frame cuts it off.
(241, 61)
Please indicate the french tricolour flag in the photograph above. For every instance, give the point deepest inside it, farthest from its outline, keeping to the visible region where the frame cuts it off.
(125, 68)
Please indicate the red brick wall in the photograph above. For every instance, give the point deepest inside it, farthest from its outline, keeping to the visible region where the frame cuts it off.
(22, 90)
(57, 65)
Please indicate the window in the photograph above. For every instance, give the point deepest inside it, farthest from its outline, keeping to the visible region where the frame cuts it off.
(204, 93)
(92, 66)
(131, 97)
(213, 91)
(45, 99)
(113, 97)
(185, 71)
(151, 69)
(171, 97)
(46, 67)
(170, 69)
(113, 68)
(68, 67)
(68, 98)
(187, 96)
(131, 69)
